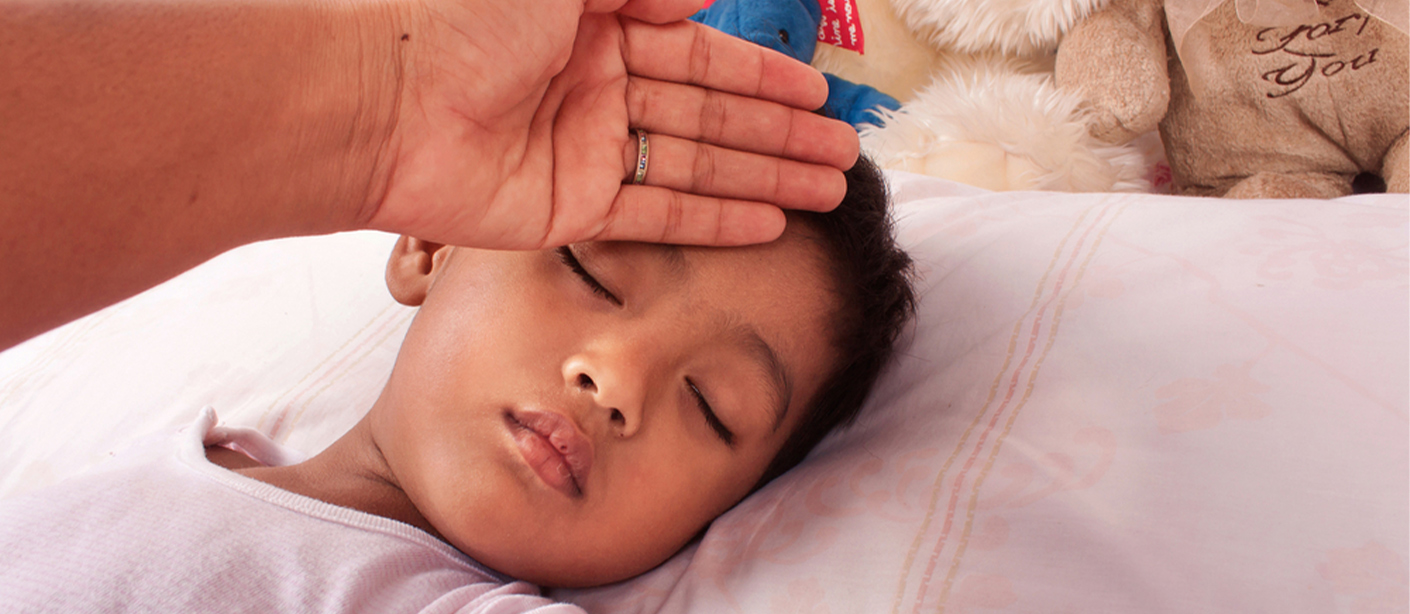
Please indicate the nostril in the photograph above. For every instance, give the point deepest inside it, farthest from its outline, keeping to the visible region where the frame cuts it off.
(618, 418)
(586, 382)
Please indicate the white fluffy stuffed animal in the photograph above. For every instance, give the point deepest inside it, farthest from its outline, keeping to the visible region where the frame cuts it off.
(978, 101)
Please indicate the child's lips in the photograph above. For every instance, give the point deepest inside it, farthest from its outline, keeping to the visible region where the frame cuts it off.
(553, 447)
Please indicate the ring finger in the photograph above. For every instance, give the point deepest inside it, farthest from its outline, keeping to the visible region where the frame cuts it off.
(698, 168)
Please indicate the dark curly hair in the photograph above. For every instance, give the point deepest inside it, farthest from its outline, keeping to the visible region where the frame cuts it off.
(871, 278)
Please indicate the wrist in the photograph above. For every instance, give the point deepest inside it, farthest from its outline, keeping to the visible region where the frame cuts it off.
(352, 101)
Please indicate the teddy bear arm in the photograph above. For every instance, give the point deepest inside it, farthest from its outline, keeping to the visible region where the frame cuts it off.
(855, 103)
(1270, 184)
(1395, 166)
(1117, 58)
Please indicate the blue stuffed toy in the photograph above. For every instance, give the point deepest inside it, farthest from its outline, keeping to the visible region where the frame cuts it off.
(791, 27)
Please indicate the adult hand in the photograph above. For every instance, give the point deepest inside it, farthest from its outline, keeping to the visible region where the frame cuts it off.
(514, 128)
(142, 138)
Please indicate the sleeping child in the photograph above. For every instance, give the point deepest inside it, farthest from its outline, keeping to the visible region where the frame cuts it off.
(569, 417)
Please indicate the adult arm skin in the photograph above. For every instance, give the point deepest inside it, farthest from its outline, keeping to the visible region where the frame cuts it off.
(142, 137)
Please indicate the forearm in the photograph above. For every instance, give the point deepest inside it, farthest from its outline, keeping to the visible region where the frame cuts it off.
(143, 137)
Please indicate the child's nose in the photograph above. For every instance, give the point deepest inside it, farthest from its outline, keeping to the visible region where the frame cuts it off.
(617, 396)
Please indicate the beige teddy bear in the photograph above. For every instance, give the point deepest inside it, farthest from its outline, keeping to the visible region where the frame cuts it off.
(1254, 99)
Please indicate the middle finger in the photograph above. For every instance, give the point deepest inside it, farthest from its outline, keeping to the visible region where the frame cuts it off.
(739, 122)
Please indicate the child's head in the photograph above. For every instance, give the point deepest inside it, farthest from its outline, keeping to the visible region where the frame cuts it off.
(573, 417)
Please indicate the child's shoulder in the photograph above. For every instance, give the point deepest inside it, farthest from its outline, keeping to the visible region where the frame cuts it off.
(153, 530)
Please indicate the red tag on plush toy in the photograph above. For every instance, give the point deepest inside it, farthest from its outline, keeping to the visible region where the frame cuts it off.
(840, 25)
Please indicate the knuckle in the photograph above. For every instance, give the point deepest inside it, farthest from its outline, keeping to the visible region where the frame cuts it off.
(775, 187)
(761, 82)
(675, 217)
(718, 232)
(608, 224)
(703, 170)
(639, 98)
(786, 145)
(714, 112)
(700, 55)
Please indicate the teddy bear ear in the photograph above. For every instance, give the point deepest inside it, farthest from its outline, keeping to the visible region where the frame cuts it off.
(814, 8)
(977, 26)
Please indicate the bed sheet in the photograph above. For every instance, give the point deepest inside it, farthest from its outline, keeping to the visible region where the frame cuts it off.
(1107, 403)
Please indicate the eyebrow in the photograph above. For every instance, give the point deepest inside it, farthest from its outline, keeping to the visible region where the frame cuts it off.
(674, 258)
(763, 354)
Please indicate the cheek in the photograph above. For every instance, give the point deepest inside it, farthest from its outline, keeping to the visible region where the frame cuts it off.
(683, 486)
(657, 511)
(483, 324)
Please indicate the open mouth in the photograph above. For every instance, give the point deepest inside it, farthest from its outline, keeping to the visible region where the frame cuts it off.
(553, 447)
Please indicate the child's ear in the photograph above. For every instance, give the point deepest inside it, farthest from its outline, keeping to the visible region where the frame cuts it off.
(413, 267)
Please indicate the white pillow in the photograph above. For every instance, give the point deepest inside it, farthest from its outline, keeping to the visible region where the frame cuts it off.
(1110, 403)
(295, 337)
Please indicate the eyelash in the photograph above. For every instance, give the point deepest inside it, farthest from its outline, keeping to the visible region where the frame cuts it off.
(710, 418)
(571, 261)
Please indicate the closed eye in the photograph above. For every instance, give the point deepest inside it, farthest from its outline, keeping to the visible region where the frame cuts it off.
(711, 419)
(571, 261)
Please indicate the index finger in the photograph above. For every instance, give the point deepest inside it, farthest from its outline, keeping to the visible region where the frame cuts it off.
(688, 52)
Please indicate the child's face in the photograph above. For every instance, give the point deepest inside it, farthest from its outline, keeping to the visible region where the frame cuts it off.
(552, 429)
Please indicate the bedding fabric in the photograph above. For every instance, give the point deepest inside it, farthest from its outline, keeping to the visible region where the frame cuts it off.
(1107, 403)
(163, 530)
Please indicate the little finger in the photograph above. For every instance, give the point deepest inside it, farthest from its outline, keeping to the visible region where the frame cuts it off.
(658, 215)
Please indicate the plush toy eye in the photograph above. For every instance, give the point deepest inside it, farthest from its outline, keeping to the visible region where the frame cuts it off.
(783, 36)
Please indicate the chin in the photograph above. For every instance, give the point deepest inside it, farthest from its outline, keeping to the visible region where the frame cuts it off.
(593, 568)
